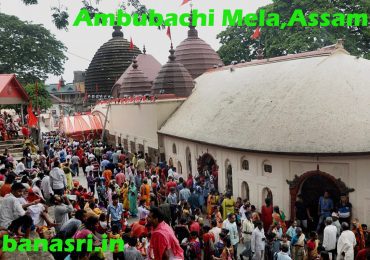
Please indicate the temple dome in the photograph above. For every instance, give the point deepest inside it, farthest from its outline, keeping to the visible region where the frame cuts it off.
(309, 103)
(196, 55)
(147, 64)
(111, 59)
(173, 78)
(135, 82)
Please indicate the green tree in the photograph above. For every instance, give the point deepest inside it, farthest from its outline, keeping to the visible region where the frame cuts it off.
(60, 13)
(40, 97)
(29, 50)
(236, 43)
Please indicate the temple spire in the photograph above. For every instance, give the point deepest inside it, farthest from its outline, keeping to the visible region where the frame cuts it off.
(117, 31)
(192, 33)
(172, 56)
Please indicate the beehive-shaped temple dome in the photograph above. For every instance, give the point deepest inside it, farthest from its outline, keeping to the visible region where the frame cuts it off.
(173, 78)
(135, 82)
(195, 54)
(109, 62)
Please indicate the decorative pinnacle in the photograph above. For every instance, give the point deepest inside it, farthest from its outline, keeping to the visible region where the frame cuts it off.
(192, 31)
(172, 56)
(134, 63)
(259, 53)
(117, 31)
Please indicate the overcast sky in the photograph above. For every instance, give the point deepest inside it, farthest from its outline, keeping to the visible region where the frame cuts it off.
(82, 42)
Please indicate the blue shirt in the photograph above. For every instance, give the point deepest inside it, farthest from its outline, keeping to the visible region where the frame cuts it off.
(115, 212)
(326, 205)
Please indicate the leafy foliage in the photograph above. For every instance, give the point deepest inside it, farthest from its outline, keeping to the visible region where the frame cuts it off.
(41, 97)
(60, 14)
(29, 50)
(237, 45)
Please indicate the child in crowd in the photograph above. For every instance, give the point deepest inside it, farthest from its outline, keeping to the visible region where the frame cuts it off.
(115, 234)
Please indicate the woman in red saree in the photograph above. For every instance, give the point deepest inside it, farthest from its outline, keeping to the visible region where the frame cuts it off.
(266, 214)
(279, 217)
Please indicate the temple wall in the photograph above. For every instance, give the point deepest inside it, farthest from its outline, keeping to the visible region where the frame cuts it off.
(353, 171)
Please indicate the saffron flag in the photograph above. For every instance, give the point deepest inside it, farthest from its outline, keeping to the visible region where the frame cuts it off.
(131, 44)
(256, 34)
(32, 119)
(59, 84)
(169, 33)
(184, 2)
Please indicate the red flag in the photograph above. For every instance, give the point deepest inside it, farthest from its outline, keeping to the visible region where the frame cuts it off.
(256, 34)
(131, 44)
(96, 87)
(59, 84)
(185, 2)
(32, 119)
(169, 33)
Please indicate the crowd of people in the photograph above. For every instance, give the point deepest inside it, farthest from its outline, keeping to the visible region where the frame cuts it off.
(10, 125)
(158, 213)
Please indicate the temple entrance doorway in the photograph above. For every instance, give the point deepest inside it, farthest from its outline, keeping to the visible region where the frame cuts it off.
(313, 188)
(312, 185)
(207, 167)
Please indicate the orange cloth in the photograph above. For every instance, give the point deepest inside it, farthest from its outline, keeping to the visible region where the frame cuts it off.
(145, 193)
(5, 189)
(138, 230)
(107, 174)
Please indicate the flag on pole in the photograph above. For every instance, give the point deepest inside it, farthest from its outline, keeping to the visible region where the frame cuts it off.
(36, 89)
(256, 34)
(32, 119)
(59, 84)
(184, 2)
(131, 44)
(169, 33)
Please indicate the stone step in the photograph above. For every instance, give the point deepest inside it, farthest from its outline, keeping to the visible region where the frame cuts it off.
(12, 141)
(13, 150)
(13, 145)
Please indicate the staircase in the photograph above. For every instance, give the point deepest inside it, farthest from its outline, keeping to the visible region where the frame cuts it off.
(15, 148)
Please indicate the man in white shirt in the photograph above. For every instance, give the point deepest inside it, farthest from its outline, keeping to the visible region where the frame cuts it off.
(12, 214)
(230, 225)
(330, 237)
(46, 189)
(58, 180)
(258, 242)
(215, 230)
(247, 229)
(20, 166)
(346, 243)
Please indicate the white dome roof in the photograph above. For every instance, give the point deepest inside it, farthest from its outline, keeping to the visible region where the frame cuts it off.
(311, 103)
